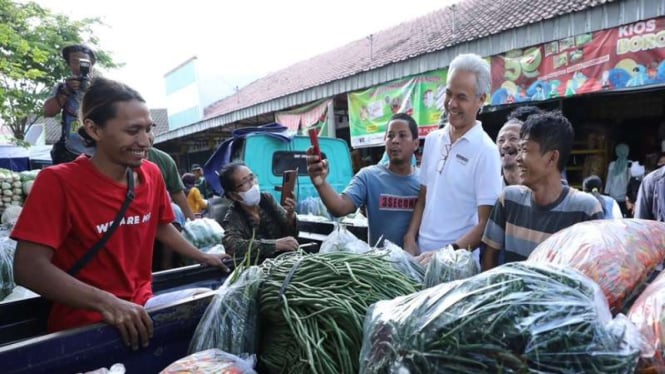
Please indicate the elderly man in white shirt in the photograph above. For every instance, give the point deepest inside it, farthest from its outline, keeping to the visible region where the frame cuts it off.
(460, 170)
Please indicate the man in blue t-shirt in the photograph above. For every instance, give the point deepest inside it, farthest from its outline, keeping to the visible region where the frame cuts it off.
(387, 191)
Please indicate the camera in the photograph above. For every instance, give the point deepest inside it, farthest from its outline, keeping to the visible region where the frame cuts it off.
(84, 67)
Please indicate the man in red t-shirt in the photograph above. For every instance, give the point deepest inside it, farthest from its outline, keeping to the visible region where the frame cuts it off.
(72, 205)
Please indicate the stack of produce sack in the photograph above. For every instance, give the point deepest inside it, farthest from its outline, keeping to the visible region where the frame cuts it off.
(516, 318)
(648, 314)
(299, 312)
(617, 254)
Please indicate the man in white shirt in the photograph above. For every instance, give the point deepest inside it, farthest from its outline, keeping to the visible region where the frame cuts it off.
(460, 170)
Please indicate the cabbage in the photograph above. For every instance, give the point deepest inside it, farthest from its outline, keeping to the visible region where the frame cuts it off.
(27, 187)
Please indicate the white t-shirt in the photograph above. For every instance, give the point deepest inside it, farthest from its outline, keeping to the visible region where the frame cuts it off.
(470, 176)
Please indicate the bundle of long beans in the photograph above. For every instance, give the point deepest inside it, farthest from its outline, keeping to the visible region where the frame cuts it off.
(312, 309)
(517, 318)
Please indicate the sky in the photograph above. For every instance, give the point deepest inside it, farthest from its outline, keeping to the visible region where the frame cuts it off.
(235, 42)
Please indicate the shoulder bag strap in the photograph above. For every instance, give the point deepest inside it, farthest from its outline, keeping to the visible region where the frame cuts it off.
(92, 252)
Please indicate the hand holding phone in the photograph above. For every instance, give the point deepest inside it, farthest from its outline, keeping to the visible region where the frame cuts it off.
(288, 185)
(314, 139)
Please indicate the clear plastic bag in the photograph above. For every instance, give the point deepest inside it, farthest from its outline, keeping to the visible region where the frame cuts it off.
(230, 322)
(314, 206)
(18, 293)
(114, 369)
(342, 240)
(203, 232)
(449, 264)
(617, 254)
(403, 261)
(216, 249)
(516, 318)
(648, 314)
(212, 361)
(7, 249)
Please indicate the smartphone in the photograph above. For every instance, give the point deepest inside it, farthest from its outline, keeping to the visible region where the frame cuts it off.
(288, 184)
(314, 139)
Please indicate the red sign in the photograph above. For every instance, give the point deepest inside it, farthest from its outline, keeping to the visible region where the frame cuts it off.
(627, 56)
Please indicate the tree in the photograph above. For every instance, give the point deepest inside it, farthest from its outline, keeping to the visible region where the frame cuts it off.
(31, 38)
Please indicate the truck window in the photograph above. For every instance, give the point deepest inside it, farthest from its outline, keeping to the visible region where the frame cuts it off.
(290, 160)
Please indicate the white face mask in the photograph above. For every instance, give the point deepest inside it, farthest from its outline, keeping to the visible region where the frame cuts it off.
(251, 197)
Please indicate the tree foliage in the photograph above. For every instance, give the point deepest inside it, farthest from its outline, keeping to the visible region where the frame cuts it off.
(31, 38)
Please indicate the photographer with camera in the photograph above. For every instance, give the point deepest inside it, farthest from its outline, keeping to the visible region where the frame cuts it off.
(66, 98)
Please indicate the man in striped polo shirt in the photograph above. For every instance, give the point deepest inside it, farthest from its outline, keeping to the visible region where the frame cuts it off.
(527, 214)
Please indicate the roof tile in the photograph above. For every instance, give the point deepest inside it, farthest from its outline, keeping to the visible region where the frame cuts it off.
(465, 21)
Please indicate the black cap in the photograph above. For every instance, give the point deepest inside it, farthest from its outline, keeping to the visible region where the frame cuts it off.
(79, 48)
(196, 167)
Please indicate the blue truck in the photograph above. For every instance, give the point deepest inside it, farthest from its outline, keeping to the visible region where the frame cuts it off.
(271, 149)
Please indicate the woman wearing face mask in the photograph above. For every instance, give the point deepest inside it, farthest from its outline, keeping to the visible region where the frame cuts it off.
(255, 218)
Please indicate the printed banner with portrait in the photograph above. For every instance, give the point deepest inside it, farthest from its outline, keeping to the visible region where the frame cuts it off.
(370, 110)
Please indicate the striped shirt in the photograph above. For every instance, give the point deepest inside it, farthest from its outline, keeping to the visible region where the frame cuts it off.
(517, 224)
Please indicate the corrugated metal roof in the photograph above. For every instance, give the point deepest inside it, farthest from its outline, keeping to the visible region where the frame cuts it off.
(486, 27)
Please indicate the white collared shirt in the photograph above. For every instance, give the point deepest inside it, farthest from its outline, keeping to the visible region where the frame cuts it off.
(459, 178)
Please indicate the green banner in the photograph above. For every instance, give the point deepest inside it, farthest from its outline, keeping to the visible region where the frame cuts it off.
(420, 96)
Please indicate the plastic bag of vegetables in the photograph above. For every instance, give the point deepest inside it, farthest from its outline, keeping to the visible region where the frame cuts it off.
(516, 318)
(449, 264)
(10, 215)
(403, 261)
(211, 361)
(648, 314)
(342, 240)
(617, 254)
(203, 232)
(230, 322)
(314, 206)
(7, 249)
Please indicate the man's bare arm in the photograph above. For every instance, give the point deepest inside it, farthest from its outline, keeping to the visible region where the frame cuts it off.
(490, 258)
(411, 236)
(472, 238)
(33, 269)
(338, 205)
